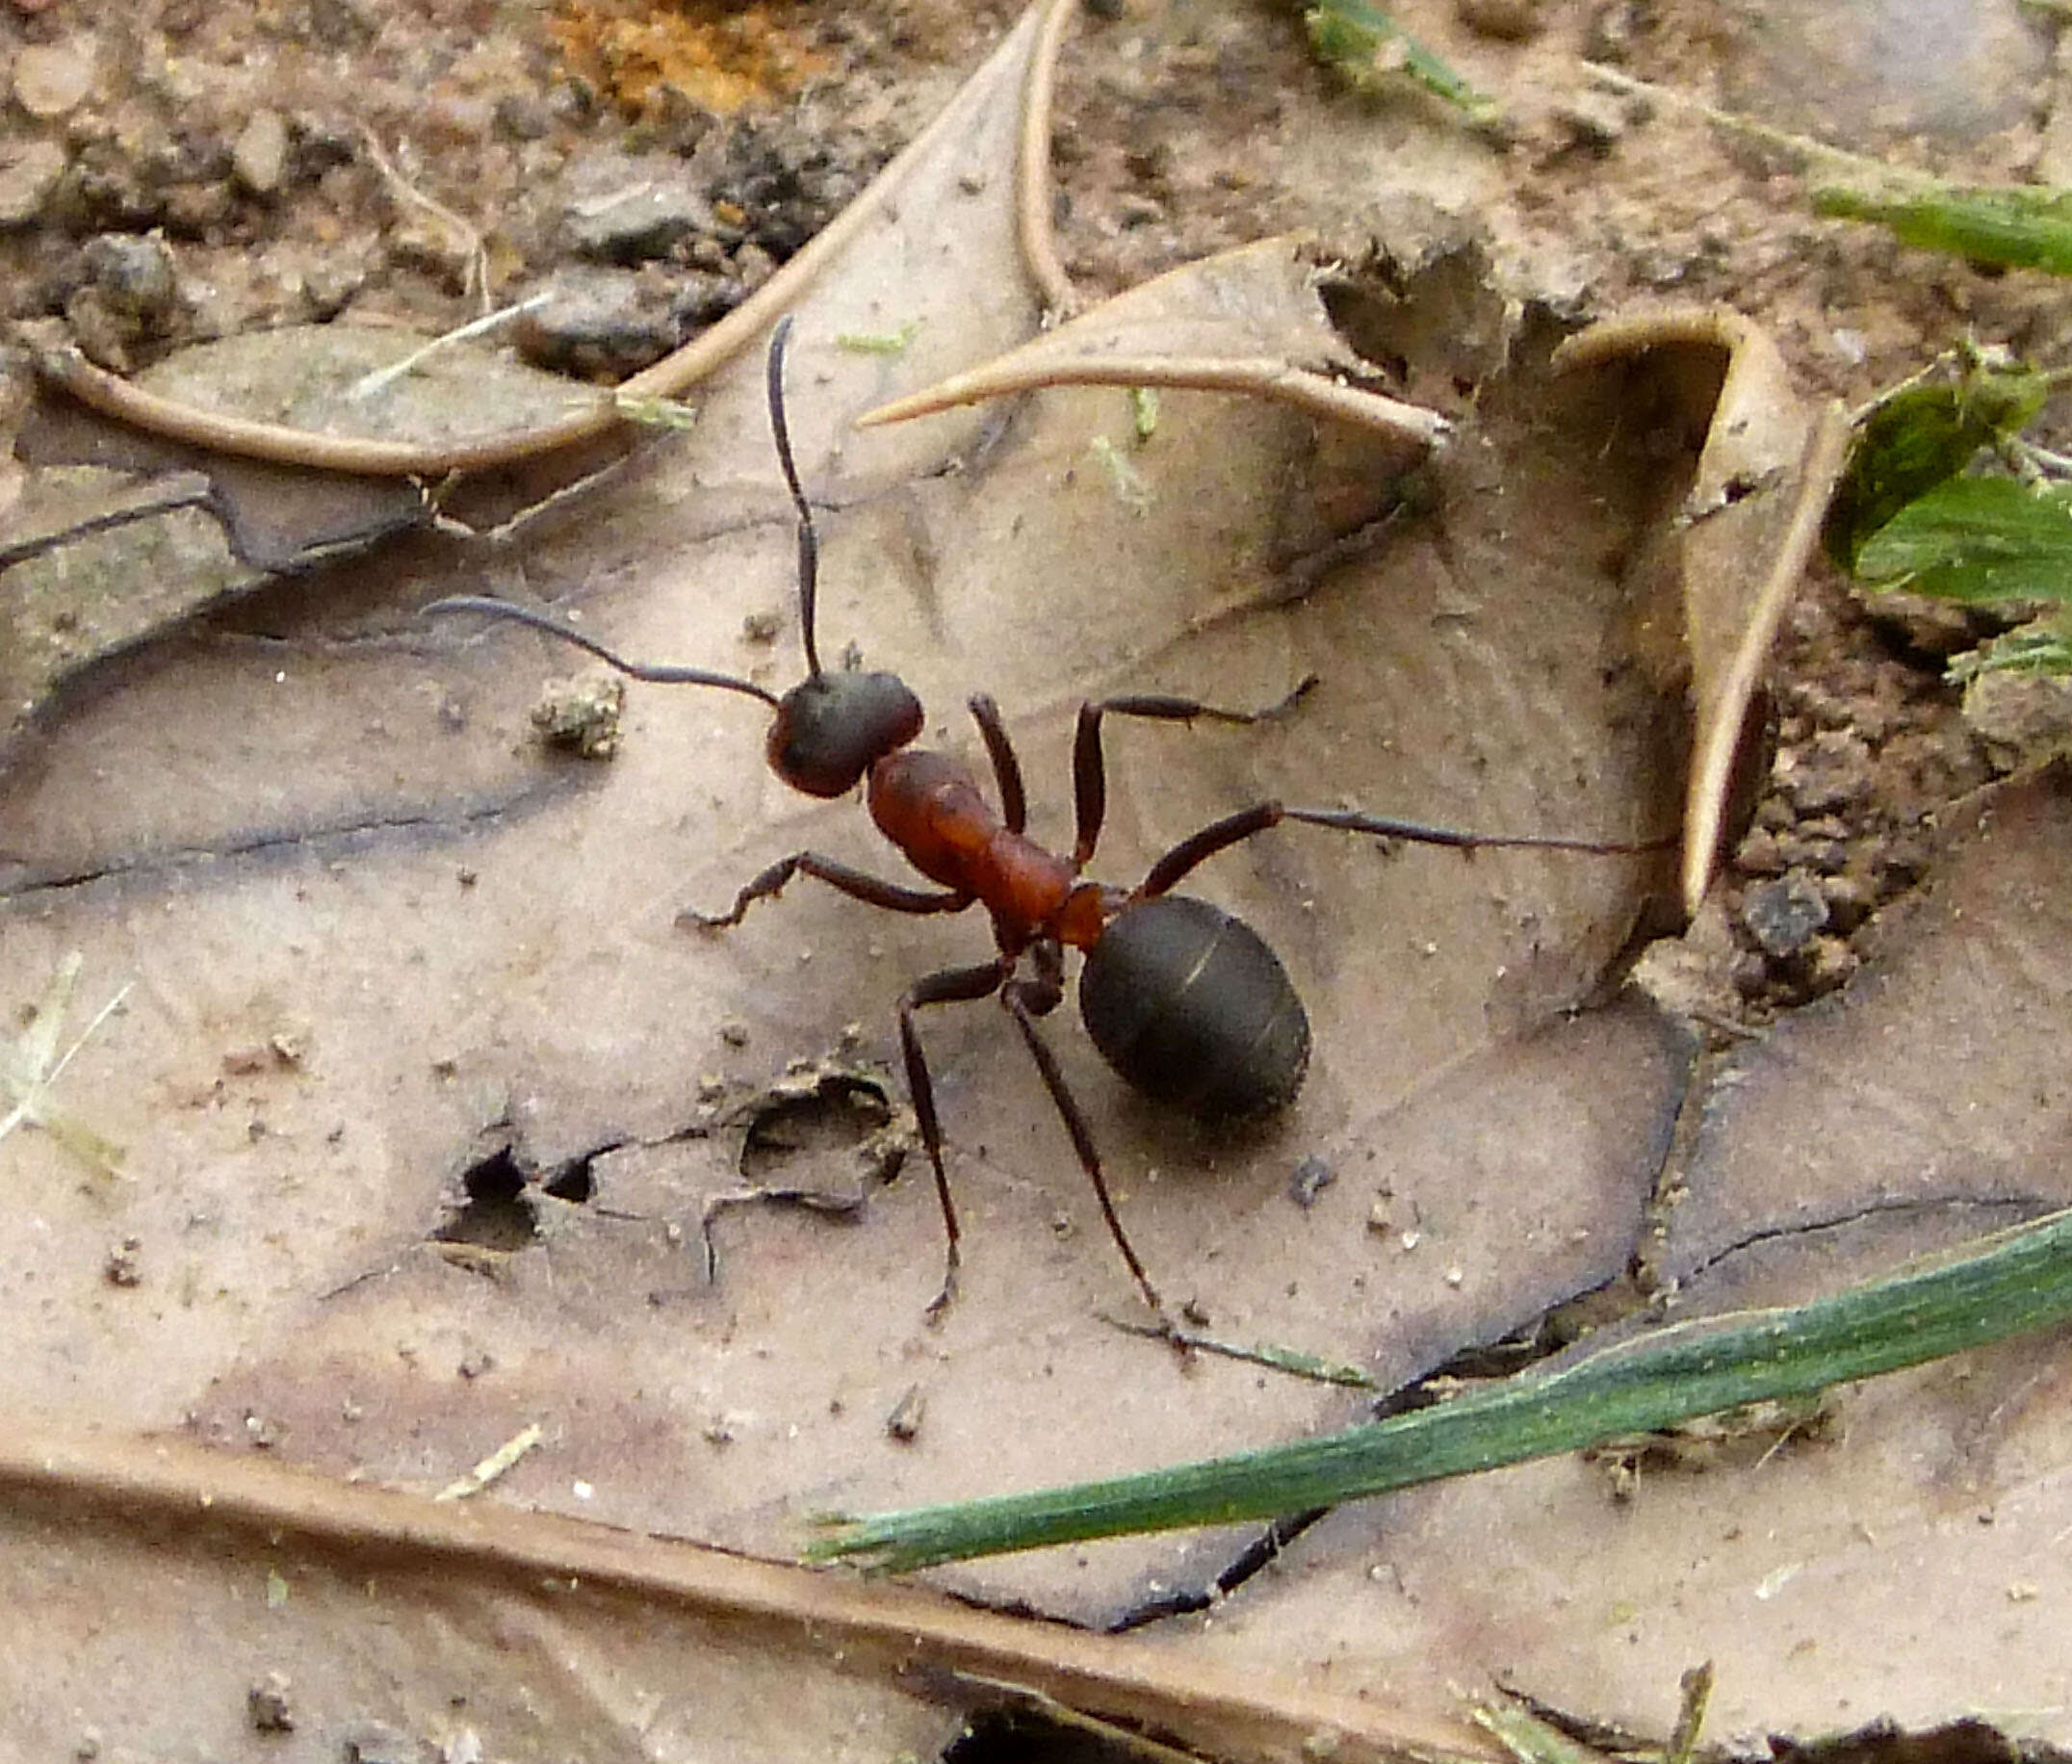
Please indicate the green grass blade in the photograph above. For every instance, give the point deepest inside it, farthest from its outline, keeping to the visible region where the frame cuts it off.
(1367, 46)
(2018, 226)
(2011, 1284)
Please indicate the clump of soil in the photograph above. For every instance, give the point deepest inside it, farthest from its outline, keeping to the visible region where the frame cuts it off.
(1870, 742)
(178, 174)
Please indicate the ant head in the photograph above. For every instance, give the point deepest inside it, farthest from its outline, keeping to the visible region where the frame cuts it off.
(832, 728)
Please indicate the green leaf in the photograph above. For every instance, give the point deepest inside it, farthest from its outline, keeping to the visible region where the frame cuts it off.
(2017, 227)
(2042, 647)
(2014, 1283)
(1920, 437)
(1978, 539)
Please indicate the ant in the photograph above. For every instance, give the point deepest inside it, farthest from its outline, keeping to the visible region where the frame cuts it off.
(1187, 1004)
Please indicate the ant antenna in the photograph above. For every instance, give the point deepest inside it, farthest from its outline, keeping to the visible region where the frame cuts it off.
(830, 729)
(809, 543)
(568, 634)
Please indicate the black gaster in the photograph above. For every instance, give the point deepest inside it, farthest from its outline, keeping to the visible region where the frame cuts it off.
(1193, 1009)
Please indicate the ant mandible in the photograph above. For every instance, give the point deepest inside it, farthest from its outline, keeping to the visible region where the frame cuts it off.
(1186, 1001)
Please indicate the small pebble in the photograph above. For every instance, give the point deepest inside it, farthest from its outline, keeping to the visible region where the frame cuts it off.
(1511, 21)
(753, 265)
(265, 1704)
(581, 716)
(1592, 120)
(1831, 771)
(1785, 915)
(599, 324)
(1312, 1176)
(133, 275)
(28, 171)
(2023, 719)
(703, 297)
(53, 79)
(121, 1268)
(1850, 900)
(904, 1422)
(1759, 854)
(1833, 964)
(647, 210)
(259, 158)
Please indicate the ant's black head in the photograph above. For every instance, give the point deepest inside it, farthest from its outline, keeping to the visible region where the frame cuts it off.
(832, 728)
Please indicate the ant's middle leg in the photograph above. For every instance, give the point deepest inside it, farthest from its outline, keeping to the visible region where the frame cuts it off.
(1089, 770)
(857, 883)
(949, 986)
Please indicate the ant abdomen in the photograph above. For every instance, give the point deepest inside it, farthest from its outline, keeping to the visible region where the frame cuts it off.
(1193, 1009)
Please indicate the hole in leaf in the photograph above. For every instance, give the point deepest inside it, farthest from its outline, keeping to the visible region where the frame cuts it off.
(572, 1183)
(497, 1214)
(821, 1127)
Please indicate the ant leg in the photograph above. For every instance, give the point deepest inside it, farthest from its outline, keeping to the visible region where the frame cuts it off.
(1221, 834)
(1006, 768)
(855, 883)
(1089, 772)
(949, 986)
(1026, 1001)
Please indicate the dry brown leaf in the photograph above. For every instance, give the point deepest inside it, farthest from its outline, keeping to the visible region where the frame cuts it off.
(1743, 533)
(383, 1614)
(1246, 322)
(547, 999)
(345, 841)
(1739, 538)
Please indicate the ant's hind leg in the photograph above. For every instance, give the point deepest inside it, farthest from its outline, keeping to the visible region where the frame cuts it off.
(857, 883)
(1197, 848)
(1024, 1003)
(950, 986)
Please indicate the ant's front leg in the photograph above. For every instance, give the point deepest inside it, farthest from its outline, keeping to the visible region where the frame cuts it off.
(857, 883)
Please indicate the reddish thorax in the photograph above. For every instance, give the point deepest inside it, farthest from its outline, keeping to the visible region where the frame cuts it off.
(928, 805)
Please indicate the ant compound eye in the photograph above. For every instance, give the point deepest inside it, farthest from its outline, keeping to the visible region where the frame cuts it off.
(831, 729)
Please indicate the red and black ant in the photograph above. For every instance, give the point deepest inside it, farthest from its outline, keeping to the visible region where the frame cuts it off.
(1186, 1001)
